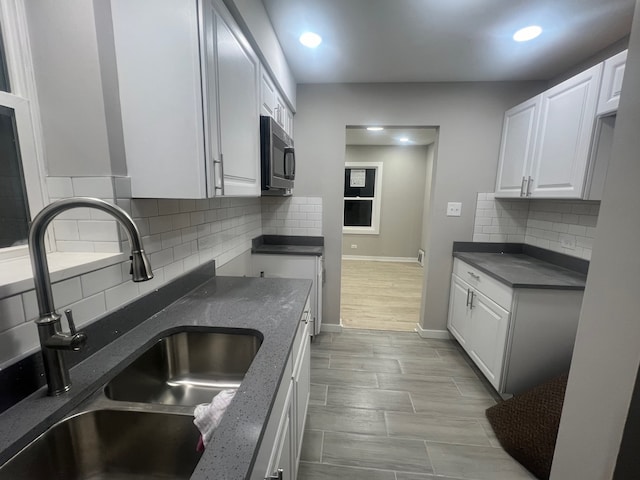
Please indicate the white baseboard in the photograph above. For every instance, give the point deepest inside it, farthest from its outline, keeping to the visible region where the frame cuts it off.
(381, 259)
(331, 327)
(440, 334)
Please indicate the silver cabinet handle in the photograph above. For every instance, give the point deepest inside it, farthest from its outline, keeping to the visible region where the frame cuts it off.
(472, 296)
(468, 293)
(524, 179)
(529, 182)
(220, 164)
(477, 277)
(277, 475)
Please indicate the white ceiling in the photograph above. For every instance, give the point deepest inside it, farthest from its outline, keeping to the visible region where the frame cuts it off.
(443, 40)
(391, 136)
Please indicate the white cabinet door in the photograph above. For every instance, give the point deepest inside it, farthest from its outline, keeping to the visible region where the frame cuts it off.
(159, 81)
(612, 77)
(267, 94)
(459, 312)
(302, 389)
(516, 150)
(488, 330)
(567, 116)
(282, 454)
(238, 86)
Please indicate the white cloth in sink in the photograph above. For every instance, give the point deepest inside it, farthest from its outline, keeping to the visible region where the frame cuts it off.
(208, 415)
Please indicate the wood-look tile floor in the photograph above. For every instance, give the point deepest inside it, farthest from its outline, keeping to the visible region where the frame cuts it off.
(394, 406)
(381, 295)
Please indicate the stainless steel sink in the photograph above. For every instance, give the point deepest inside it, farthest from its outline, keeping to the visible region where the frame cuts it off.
(187, 368)
(110, 444)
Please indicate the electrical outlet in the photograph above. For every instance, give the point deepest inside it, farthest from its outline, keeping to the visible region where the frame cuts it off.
(568, 241)
(353, 245)
(454, 209)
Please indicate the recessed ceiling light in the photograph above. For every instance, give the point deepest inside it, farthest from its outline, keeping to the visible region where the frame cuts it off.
(310, 39)
(375, 129)
(527, 33)
(404, 139)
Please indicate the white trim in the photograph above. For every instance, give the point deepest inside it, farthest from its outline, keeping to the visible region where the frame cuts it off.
(17, 46)
(331, 327)
(439, 334)
(381, 259)
(374, 229)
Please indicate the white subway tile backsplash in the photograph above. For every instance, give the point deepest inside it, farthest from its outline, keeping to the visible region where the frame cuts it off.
(168, 206)
(101, 280)
(122, 187)
(66, 229)
(59, 187)
(121, 294)
(159, 224)
(88, 309)
(110, 247)
(144, 207)
(11, 312)
(98, 231)
(542, 223)
(75, 246)
(171, 239)
(67, 291)
(101, 187)
(17, 342)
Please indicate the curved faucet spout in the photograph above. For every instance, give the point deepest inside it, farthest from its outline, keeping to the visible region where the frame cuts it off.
(52, 339)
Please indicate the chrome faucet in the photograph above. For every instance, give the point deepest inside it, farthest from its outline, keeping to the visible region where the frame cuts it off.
(52, 339)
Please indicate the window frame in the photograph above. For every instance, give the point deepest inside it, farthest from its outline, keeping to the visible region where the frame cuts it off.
(374, 229)
(23, 101)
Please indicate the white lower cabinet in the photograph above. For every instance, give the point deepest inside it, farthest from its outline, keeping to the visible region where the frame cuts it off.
(295, 266)
(517, 337)
(279, 454)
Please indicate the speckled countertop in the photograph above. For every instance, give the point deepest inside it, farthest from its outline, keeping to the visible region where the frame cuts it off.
(288, 245)
(518, 270)
(270, 306)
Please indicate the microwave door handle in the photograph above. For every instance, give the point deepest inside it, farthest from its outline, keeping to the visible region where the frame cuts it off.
(290, 154)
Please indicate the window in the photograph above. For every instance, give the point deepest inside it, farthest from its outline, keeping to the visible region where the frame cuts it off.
(21, 188)
(362, 193)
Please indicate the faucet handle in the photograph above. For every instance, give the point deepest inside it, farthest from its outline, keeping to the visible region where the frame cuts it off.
(72, 325)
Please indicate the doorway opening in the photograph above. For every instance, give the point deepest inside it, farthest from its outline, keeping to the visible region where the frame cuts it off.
(387, 192)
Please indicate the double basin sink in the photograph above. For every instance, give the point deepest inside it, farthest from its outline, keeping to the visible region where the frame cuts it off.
(140, 425)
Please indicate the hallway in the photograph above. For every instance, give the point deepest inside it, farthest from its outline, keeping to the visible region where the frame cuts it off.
(381, 295)
(394, 406)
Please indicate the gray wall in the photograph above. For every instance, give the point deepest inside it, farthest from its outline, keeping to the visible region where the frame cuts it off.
(403, 189)
(606, 355)
(470, 119)
(68, 77)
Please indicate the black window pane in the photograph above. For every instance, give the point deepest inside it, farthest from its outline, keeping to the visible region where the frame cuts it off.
(357, 213)
(367, 191)
(4, 77)
(13, 203)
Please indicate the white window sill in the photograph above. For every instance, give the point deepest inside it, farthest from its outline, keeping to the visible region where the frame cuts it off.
(16, 276)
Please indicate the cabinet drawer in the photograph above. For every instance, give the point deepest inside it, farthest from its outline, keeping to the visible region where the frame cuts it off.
(492, 288)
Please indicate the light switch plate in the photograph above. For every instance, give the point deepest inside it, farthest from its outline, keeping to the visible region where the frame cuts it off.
(454, 209)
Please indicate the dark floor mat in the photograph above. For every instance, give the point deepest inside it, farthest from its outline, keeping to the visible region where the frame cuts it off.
(527, 425)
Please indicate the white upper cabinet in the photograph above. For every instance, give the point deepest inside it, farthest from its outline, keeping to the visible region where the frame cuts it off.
(175, 61)
(546, 141)
(611, 83)
(273, 104)
(516, 149)
(567, 116)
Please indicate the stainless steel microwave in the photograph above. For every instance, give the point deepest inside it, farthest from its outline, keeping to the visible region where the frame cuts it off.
(277, 158)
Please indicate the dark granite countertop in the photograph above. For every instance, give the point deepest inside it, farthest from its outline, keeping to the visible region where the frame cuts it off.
(519, 270)
(270, 306)
(288, 245)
